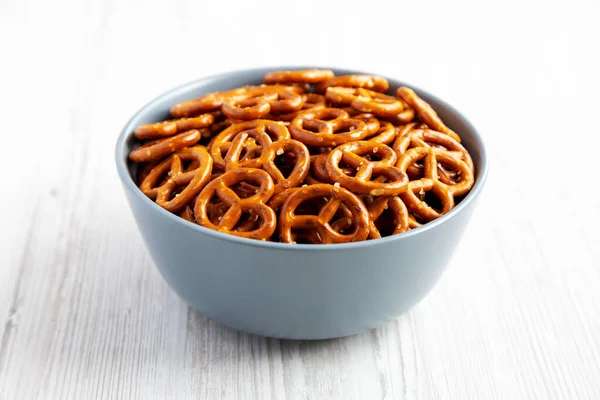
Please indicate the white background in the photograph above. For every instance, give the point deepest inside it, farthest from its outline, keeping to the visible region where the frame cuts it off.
(84, 314)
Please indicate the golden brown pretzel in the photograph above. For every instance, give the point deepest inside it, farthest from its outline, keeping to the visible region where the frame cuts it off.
(289, 220)
(207, 103)
(409, 137)
(301, 166)
(157, 149)
(376, 83)
(326, 127)
(221, 143)
(268, 154)
(170, 128)
(425, 112)
(310, 101)
(432, 157)
(385, 134)
(250, 104)
(395, 221)
(254, 154)
(419, 207)
(377, 103)
(302, 76)
(352, 154)
(170, 176)
(221, 187)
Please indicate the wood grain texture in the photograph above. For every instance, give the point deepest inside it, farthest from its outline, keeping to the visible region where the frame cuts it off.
(85, 315)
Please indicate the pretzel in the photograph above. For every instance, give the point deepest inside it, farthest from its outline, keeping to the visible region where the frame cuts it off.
(397, 209)
(419, 207)
(188, 214)
(289, 220)
(432, 157)
(163, 180)
(425, 112)
(372, 82)
(207, 103)
(220, 143)
(248, 106)
(310, 101)
(253, 158)
(385, 133)
(369, 119)
(326, 127)
(170, 128)
(377, 103)
(160, 148)
(432, 138)
(301, 167)
(302, 76)
(221, 187)
(350, 153)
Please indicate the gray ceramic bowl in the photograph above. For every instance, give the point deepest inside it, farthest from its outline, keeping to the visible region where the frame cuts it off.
(295, 291)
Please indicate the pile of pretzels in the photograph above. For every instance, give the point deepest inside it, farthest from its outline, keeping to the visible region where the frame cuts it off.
(307, 157)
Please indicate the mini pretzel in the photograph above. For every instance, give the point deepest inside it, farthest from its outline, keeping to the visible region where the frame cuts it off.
(207, 103)
(160, 148)
(289, 220)
(251, 104)
(326, 127)
(350, 153)
(301, 167)
(399, 214)
(220, 143)
(221, 187)
(303, 76)
(372, 122)
(377, 103)
(310, 101)
(385, 134)
(432, 157)
(419, 207)
(253, 159)
(170, 128)
(170, 175)
(429, 138)
(372, 82)
(425, 112)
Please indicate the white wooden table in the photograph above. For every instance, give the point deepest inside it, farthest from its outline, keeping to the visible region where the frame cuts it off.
(85, 315)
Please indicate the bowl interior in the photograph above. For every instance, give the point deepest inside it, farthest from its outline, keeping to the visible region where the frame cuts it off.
(158, 110)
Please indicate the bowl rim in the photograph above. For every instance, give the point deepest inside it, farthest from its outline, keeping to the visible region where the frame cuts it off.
(127, 180)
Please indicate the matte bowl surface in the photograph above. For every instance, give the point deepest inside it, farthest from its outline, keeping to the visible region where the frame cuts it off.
(295, 291)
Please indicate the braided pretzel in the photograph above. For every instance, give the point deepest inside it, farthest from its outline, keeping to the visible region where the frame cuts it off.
(221, 187)
(372, 82)
(350, 154)
(326, 127)
(170, 175)
(160, 148)
(170, 128)
(221, 143)
(289, 220)
(425, 112)
(303, 76)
